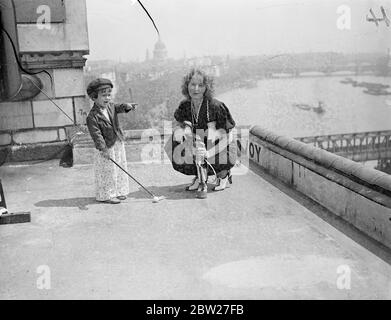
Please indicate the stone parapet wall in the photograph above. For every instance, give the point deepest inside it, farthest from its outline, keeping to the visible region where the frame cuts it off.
(44, 135)
(142, 145)
(357, 194)
(33, 144)
(21, 119)
(34, 152)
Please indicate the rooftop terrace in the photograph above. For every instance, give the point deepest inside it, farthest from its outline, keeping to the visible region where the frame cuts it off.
(258, 239)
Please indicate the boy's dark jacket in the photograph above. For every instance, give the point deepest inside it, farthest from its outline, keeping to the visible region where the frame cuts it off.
(104, 133)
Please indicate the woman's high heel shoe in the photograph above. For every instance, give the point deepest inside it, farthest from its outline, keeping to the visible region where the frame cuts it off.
(194, 185)
(223, 183)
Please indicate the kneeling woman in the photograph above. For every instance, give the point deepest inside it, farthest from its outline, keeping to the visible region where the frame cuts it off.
(209, 123)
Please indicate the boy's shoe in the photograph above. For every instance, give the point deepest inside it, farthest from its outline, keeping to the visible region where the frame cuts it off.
(202, 191)
(121, 198)
(194, 185)
(223, 183)
(3, 211)
(112, 201)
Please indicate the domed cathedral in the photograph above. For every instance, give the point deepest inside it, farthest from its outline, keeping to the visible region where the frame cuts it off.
(160, 51)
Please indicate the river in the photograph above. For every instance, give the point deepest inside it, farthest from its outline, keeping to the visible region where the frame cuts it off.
(347, 108)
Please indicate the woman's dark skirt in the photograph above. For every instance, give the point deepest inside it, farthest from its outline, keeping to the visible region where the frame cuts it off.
(183, 161)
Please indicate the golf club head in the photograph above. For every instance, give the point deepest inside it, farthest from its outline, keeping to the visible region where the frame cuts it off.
(157, 199)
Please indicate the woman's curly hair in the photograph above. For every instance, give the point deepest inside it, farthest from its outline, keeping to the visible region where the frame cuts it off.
(207, 80)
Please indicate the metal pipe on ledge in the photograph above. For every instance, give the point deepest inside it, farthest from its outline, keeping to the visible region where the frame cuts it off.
(14, 85)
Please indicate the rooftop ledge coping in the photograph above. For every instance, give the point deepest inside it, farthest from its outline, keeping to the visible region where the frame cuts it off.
(328, 160)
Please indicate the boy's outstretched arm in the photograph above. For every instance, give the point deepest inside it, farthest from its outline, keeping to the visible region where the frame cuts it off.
(125, 107)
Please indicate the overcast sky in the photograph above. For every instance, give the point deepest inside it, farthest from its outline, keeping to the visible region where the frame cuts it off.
(119, 29)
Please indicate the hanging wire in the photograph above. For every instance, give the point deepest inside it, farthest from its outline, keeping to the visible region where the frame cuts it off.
(18, 59)
(146, 11)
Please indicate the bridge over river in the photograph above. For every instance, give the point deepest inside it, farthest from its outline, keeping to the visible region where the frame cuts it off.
(358, 146)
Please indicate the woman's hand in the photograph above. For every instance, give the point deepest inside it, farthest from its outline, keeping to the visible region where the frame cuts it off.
(187, 124)
(212, 133)
(200, 152)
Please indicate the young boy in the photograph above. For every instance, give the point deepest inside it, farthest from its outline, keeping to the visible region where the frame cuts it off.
(111, 184)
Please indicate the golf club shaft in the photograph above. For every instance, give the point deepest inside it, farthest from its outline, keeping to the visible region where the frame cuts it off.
(132, 178)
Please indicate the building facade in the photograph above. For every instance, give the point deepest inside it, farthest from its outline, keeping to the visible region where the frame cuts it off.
(51, 37)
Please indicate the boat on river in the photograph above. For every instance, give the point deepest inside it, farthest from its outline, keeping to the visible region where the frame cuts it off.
(347, 81)
(377, 92)
(248, 83)
(372, 88)
(303, 106)
(320, 108)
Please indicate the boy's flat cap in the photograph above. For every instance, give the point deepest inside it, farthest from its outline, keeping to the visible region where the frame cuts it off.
(96, 84)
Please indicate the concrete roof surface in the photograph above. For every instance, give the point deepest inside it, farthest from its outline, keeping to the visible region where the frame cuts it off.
(251, 241)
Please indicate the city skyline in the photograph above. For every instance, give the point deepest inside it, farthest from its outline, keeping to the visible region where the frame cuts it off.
(120, 30)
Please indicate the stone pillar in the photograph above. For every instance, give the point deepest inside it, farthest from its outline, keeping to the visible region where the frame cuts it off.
(57, 46)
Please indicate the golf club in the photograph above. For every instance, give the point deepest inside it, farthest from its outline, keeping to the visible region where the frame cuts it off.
(155, 198)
